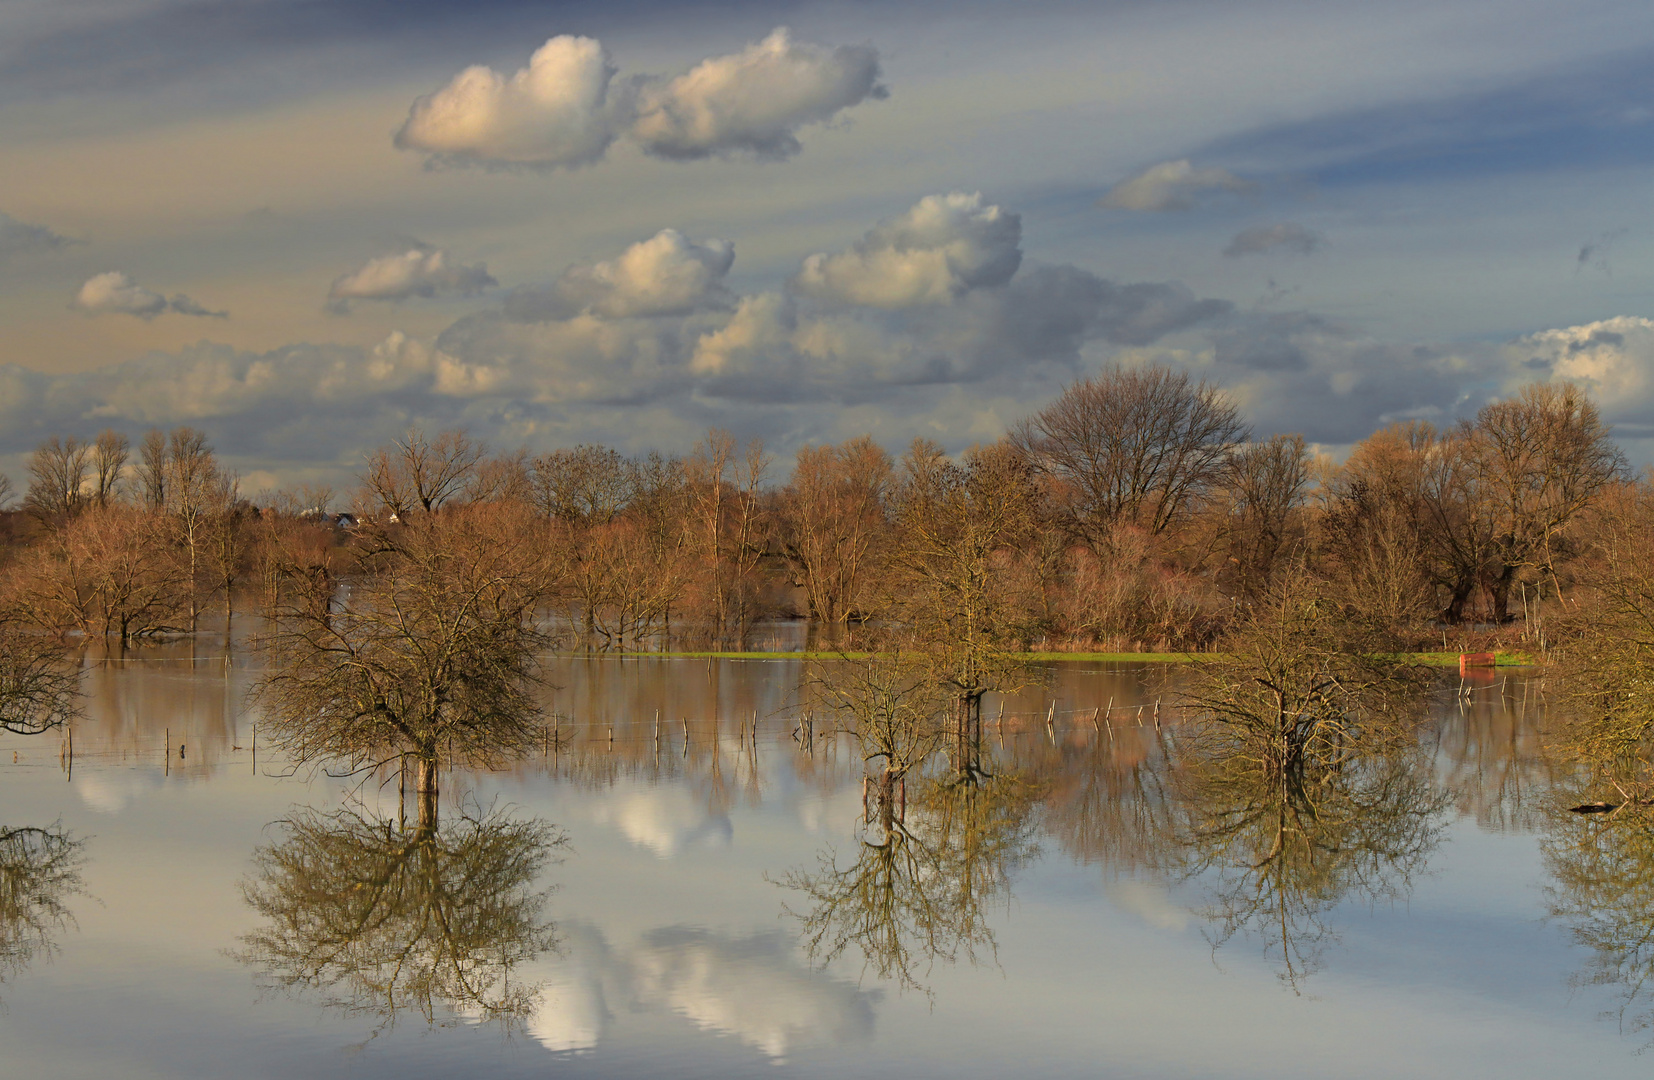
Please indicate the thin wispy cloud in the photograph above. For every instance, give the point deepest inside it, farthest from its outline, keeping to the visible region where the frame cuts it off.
(1171, 186)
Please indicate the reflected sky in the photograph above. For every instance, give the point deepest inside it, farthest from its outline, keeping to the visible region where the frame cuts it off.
(674, 955)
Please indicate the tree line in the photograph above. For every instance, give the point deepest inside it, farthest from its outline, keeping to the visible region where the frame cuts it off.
(1137, 511)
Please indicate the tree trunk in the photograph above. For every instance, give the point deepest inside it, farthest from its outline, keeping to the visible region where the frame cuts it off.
(426, 789)
(886, 798)
(1499, 590)
(1455, 606)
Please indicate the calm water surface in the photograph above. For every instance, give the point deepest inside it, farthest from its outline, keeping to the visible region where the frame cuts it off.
(648, 908)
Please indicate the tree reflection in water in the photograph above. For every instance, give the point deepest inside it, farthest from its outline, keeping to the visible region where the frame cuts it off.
(921, 893)
(1285, 849)
(1603, 890)
(39, 872)
(382, 920)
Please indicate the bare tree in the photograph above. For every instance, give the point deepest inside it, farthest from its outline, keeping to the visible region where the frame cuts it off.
(39, 686)
(433, 652)
(1279, 856)
(1262, 490)
(922, 892)
(152, 469)
(501, 479)
(1394, 528)
(57, 479)
(833, 518)
(951, 595)
(705, 473)
(382, 921)
(421, 474)
(585, 485)
(1300, 687)
(40, 869)
(1546, 454)
(6, 491)
(196, 494)
(749, 544)
(109, 456)
(1605, 650)
(314, 498)
(228, 542)
(1130, 447)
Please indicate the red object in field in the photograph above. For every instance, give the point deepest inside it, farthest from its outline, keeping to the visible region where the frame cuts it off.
(1469, 660)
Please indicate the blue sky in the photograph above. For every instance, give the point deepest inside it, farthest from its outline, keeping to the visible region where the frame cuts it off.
(303, 226)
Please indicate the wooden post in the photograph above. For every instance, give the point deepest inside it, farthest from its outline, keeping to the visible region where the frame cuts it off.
(169, 751)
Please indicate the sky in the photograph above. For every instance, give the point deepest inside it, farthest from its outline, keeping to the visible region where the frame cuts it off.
(305, 226)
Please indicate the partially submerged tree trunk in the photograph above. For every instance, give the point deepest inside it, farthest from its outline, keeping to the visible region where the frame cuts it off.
(426, 788)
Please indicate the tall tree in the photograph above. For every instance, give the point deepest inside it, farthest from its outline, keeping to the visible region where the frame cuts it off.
(417, 473)
(1131, 446)
(109, 456)
(152, 469)
(833, 520)
(951, 595)
(196, 494)
(1545, 455)
(57, 479)
(1262, 490)
(433, 652)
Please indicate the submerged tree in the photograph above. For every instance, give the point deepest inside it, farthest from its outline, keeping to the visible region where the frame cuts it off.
(382, 920)
(39, 872)
(1606, 651)
(1602, 890)
(431, 653)
(1301, 687)
(39, 686)
(1281, 854)
(894, 708)
(921, 893)
(952, 601)
(1300, 781)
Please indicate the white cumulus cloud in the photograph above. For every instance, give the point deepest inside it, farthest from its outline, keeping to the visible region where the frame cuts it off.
(1612, 358)
(417, 272)
(1172, 185)
(943, 247)
(667, 274)
(754, 100)
(562, 109)
(553, 112)
(117, 293)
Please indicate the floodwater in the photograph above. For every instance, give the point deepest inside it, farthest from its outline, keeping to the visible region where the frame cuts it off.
(702, 897)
